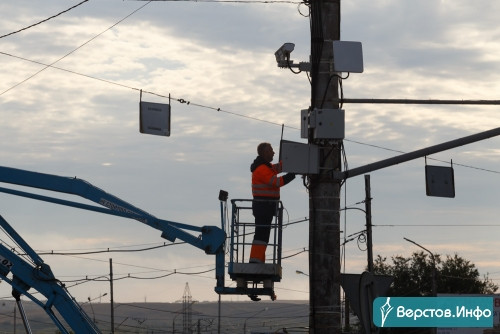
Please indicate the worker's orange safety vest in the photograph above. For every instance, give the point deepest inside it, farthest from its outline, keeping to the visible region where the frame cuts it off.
(266, 182)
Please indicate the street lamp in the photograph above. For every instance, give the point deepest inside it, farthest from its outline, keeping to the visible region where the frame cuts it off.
(434, 285)
(299, 272)
(245, 323)
(92, 307)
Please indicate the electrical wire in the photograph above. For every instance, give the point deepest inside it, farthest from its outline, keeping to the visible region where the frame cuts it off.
(105, 278)
(430, 158)
(232, 1)
(108, 250)
(289, 256)
(218, 109)
(436, 225)
(13, 249)
(74, 50)
(47, 19)
(163, 245)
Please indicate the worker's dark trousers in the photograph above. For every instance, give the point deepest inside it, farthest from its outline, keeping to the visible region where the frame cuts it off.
(264, 212)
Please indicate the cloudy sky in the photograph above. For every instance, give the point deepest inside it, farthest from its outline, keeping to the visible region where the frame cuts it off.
(80, 118)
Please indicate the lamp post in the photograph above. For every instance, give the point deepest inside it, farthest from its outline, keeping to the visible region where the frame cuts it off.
(299, 272)
(434, 283)
(245, 323)
(92, 307)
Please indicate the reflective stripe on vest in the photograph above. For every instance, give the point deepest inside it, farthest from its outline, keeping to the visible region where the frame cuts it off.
(266, 182)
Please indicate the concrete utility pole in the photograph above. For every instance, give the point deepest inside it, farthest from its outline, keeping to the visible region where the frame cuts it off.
(324, 190)
(368, 213)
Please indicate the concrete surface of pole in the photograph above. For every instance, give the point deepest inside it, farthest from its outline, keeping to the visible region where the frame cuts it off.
(368, 212)
(324, 190)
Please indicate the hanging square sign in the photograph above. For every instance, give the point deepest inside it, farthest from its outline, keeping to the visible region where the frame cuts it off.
(154, 118)
(439, 181)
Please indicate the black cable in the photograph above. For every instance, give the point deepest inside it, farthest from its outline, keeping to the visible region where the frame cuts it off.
(104, 278)
(229, 112)
(289, 256)
(112, 250)
(436, 225)
(340, 87)
(47, 19)
(232, 1)
(74, 50)
(290, 65)
(317, 40)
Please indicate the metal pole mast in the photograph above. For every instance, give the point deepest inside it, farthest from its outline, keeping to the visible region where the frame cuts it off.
(111, 296)
(324, 189)
(368, 212)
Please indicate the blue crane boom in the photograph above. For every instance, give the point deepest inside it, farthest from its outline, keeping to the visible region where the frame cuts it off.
(39, 276)
(211, 239)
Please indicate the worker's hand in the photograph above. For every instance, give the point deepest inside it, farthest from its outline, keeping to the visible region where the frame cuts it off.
(288, 177)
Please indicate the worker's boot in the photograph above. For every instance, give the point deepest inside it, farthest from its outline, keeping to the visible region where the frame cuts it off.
(258, 253)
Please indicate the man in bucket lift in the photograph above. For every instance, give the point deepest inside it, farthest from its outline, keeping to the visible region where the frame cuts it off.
(266, 192)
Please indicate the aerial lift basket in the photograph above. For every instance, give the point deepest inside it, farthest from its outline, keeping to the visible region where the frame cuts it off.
(241, 236)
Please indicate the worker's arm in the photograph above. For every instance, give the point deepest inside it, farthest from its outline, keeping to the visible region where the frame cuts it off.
(287, 178)
(269, 177)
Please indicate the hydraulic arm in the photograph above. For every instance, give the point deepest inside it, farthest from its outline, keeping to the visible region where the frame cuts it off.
(210, 239)
(23, 275)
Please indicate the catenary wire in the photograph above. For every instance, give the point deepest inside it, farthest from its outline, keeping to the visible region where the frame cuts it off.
(179, 100)
(232, 1)
(218, 109)
(45, 20)
(117, 250)
(436, 225)
(74, 50)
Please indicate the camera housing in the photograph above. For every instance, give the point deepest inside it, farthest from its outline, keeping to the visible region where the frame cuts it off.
(283, 54)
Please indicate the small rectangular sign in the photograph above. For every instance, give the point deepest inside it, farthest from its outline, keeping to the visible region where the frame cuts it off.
(154, 118)
(433, 312)
(439, 181)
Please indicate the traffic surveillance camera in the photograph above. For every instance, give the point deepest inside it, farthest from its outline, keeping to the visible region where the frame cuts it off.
(283, 59)
(283, 53)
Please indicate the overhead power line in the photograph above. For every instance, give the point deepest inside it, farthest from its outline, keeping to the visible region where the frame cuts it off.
(233, 1)
(420, 101)
(436, 225)
(74, 50)
(47, 19)
(108, 250)
(218, 109)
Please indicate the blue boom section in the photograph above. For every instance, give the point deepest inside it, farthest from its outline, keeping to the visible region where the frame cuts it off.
(211, 240)
(40, 277)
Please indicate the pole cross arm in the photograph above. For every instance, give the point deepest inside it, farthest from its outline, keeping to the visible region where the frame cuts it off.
(417, 101)
(416, 154)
